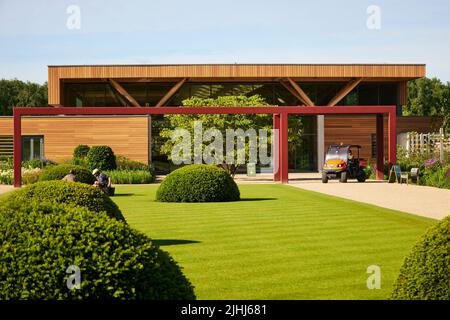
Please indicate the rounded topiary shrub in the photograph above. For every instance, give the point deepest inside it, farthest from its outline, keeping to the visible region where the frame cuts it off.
(198, 183)
(425, 274)
(58, 172)
(70, 193)
(41, 241)
(101, 157)
(81, 151)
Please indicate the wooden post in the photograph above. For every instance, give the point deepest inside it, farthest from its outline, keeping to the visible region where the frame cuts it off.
(441, 145)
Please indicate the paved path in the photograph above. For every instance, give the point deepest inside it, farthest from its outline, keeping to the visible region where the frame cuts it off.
(419, 200)
(5, 188)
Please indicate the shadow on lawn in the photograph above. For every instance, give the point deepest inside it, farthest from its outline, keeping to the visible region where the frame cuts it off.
(172, 242)
(125, 194)
(257, 199)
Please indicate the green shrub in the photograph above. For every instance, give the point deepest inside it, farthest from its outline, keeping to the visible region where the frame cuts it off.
(6, 162)
(79, 162)
(40, 241)
(198, 183)
(37, 163)
(102, 158)
(58, 172)
(439, 177)
(70, 193)
(131, 176)
(425, 274)
(81, 151)
(123, 163)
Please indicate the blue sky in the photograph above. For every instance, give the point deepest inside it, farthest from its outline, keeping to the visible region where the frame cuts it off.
(33, 34)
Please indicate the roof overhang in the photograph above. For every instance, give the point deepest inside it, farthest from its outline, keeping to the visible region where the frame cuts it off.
(229, 72)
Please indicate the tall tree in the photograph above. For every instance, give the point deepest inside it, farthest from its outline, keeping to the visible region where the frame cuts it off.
(222, 122)
(429, 97)
(16, 93)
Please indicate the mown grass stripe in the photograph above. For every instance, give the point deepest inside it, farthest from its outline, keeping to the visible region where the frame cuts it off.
(281, 243)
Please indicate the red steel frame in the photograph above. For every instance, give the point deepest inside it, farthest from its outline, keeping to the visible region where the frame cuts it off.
(280, 121)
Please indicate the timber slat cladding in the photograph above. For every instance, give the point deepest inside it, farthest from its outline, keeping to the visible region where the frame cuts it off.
(208, 71)
(6, 145)
(127, 136)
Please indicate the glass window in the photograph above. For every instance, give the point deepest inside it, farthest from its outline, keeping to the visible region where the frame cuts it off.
(368, 94)
(32, 147)
(388, 94)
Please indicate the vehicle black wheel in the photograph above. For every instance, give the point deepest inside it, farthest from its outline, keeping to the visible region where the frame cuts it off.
(324, 178)
(343, 177)
(361, 176)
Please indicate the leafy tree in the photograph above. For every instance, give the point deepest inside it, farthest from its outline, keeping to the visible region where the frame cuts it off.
(222, 122)
(21, 94)
(429, 97)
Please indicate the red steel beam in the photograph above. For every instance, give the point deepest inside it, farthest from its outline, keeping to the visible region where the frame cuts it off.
(392, 140)
(380, 147)
(17, 148)
(282, 111)
(284, 146)
(276, 149)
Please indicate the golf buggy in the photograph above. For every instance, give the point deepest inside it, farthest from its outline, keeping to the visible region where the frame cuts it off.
(342, 163)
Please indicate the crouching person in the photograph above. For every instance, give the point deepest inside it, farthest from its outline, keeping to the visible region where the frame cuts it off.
(103, 181)
(70, 176)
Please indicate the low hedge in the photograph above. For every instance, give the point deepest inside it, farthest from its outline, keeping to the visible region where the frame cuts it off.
(58, 172)
(101, 157)
(70, 193)
(425, 274)
(131, 176)
(198, 183)
(40, 242)
(123, 163)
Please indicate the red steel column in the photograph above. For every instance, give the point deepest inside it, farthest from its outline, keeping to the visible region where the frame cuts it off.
(17, 149)
(284, 154)
(276, 148)
(392, 140)
(380, 147)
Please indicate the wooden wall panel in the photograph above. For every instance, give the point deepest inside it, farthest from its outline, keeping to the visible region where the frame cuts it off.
(127, 136)
(403, 93)
(313, 71)
(6, 126)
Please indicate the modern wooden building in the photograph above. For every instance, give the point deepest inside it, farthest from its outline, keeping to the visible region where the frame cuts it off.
(135, 86)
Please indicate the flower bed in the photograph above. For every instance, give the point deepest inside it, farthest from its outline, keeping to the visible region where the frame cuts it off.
(28, 175)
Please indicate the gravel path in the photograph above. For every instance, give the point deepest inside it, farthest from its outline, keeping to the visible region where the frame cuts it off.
(419, 200)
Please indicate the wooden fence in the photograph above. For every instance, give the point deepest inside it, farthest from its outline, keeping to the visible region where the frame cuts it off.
(437, 143)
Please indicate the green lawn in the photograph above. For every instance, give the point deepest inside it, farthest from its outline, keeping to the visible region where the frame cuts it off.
(279, 243)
